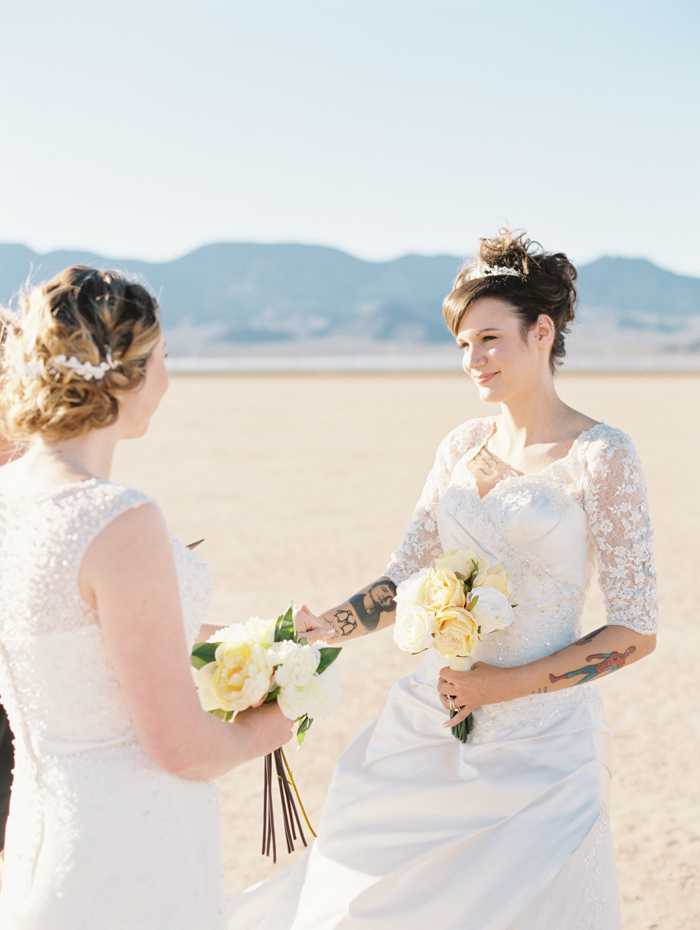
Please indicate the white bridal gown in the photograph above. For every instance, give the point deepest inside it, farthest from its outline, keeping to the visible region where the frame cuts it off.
(99, 837)
(509, 831)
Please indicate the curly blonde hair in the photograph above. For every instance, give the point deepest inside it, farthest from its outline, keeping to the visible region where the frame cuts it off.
(543, 284)
(85, 314)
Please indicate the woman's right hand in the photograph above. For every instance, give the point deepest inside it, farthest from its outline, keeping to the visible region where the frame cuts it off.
(266, 728)
(312, 627)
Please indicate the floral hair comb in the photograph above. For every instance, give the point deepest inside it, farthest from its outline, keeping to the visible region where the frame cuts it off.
(85, 370)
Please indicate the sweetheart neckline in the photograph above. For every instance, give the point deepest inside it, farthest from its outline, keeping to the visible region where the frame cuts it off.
(530, 475)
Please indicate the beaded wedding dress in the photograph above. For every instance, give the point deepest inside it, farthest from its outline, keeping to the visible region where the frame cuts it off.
(509, 831)
(99, 837)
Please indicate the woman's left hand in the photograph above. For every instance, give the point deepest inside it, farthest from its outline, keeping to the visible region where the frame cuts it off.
(484, 684)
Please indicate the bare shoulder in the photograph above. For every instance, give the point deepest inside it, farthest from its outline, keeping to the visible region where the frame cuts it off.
(133, 550)
(135, 544)
(578, 423)
(134, 531)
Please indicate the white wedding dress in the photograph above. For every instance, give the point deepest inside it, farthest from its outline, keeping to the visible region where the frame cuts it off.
(509, 831)
(99, 836)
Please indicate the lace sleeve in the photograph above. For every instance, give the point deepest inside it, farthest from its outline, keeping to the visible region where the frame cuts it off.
(616, 504)
(421, 543)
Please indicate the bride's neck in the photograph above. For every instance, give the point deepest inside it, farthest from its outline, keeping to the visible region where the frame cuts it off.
(538, 418)
(86, 456)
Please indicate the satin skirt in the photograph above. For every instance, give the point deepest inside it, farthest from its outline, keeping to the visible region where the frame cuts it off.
(506, 832)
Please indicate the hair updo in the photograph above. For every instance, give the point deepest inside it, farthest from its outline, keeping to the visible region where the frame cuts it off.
(94, 317)
(535, 283)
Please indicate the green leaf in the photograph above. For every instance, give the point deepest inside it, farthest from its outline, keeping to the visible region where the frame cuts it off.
(221, 713)
(304, 724)
(284, 628)
(472, 575)
(203, 654)
(271, 695)
(328, 656)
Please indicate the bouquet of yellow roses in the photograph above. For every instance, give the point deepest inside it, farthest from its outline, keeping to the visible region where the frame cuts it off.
(449, 605)
(253, 663)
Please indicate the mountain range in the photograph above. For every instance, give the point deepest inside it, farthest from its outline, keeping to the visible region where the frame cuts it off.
(240, 297)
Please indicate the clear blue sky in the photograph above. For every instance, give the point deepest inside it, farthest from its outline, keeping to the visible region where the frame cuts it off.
(146, 128)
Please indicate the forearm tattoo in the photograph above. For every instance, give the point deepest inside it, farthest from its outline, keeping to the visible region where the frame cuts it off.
(366, 608)
(344, 621)
(605, 662)
(375, 600)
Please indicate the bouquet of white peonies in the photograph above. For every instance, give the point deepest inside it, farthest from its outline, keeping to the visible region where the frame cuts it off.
(254, 663)
(450, 605)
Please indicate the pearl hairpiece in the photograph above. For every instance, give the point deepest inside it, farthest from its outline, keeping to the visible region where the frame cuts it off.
(482, 270)
(84, 370)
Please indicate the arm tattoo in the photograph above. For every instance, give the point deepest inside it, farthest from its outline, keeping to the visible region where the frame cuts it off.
(345, 621)
(605, 662)
(589, 637)
(372, 602)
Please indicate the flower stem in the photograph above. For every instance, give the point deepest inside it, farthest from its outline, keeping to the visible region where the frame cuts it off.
(296, 792)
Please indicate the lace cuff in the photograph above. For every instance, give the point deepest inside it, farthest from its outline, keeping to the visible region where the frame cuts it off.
(616, 504)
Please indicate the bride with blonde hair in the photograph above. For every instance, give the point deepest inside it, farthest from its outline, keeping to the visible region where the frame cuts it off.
(114, 822)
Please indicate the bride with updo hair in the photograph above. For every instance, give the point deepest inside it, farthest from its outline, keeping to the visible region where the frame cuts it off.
(508, 830)
(114, 822)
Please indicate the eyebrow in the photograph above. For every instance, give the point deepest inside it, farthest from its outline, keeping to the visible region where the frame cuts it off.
(486, 329)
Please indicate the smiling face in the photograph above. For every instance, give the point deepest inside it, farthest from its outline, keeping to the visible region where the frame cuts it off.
(503, 361)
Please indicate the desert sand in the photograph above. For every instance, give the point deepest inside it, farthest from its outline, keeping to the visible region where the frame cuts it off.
(302, 486)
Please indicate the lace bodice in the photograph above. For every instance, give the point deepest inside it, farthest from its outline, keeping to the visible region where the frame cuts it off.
(548, 529)
(56, 677)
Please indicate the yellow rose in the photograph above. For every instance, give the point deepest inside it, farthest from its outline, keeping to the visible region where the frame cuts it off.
(456, 634)
(496, 576)
(239, 678)
(444, 590)
(459, 561)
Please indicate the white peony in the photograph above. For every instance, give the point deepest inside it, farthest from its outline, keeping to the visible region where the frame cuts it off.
(317, 698)
(238, 678)
(259, 631)
(329, 693)
(295, 702)
(204, 682)
(296, 664)
(492, 610)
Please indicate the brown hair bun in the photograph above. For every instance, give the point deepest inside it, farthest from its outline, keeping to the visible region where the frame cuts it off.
(516, 269)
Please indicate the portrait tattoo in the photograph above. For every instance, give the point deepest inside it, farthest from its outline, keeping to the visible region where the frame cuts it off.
(370, 604)
(346, 622)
